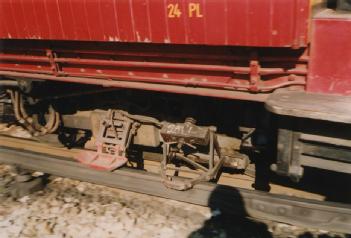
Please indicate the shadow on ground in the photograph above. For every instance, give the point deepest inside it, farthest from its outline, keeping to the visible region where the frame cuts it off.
(230, 219)
(310, 235)
(229, 223)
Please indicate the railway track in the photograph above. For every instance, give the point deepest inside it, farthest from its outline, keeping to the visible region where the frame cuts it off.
(276, 207)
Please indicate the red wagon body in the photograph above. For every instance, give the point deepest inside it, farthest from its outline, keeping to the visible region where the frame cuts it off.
(213, 22)
(231, 49)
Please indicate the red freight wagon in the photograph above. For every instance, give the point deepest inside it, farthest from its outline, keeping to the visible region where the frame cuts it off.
(274, 23)
(97, 39)
(292, 55)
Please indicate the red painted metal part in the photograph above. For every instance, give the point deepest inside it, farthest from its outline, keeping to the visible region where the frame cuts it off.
(102, 161)
(276, 23)
(225, 68)
(208, 92)
(330, 58)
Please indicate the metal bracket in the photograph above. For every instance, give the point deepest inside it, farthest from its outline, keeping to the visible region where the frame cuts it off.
(178, 137)
(254, 76)
(115, 134)
(55, 68)
(288, 158)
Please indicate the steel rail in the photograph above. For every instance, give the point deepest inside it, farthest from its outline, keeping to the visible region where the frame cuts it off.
(297, 211)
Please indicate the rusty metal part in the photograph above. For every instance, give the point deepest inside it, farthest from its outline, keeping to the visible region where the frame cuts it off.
(188, 132)
(30, 122)
(151, 163)
(55, 67)
(141, 119)
(196, 135)
(253, 70)
(250, 75)
(302, 212)
(225, 70)
(334, 108)
(16, 107)
(6, 108)
(114, 137)
(297, 150)
(146, 135)
(179, 136)
(238, 162)
(191, 90)
(8, 83)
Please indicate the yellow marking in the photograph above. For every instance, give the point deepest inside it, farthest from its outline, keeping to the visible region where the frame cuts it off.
(173, 10)
(195, 10)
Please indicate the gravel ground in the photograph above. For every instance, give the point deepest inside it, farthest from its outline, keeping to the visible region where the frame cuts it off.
(70, 208)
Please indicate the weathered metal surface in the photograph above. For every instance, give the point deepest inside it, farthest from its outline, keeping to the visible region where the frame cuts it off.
(297, 150)
(330, 59)
(226, 68)
(315, 162)
(288, 154)
(311, 105)
(30, 122)
(248, 23)
(292, 210)
(344, 5)
(186, 132)
(323, 142)
(228, 94)
(114, 137)
(181, 142)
